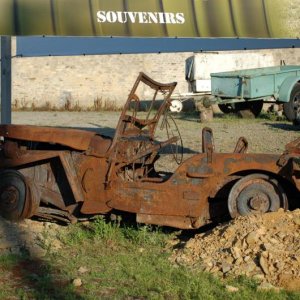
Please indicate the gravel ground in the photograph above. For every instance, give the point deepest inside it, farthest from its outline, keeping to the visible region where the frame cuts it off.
(263, 135)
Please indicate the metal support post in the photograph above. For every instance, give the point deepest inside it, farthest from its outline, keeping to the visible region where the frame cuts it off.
(5, 79)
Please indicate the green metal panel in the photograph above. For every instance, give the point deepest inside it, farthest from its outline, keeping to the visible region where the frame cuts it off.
(286, 88)
(260, 86)
(251, 83)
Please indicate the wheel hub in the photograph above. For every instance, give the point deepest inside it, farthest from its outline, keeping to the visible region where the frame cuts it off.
(297, 105)
(9, 198)
(255, 193)
(259, 202)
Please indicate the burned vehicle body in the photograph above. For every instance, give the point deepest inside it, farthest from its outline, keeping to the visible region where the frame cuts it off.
(66, 174)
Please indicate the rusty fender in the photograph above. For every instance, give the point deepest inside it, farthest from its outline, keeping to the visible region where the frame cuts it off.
(186, 194)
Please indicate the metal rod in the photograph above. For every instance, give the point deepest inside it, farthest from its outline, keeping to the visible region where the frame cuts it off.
(5, 79)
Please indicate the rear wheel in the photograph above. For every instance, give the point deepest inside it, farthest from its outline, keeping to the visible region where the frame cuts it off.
(256, 193)
(12, 195)
(226, 108)
(19, 198)
(292, 108)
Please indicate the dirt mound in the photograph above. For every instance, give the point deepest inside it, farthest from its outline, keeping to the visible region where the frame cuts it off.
(265, 247)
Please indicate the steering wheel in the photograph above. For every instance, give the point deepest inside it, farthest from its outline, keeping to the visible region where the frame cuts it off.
(172, 131)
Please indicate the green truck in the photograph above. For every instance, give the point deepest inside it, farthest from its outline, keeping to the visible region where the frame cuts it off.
(246, 91)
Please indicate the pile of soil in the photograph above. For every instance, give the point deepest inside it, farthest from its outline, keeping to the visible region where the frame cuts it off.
(265, 247)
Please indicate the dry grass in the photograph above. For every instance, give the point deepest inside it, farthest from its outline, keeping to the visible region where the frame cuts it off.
(100, 104)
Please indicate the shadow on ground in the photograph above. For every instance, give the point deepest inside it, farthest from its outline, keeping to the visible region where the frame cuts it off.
(283, 126)
(33, 275)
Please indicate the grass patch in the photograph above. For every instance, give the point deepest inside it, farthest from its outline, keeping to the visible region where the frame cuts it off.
(8, 261)
(132, 262)
(120, 261)
(107, 231)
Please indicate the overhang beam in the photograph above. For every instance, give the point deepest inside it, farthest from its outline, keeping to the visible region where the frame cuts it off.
(5, 79)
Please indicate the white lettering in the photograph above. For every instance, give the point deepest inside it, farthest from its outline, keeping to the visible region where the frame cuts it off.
(180, 18)
(161, 17)
(111, 17)
(132, 16)
(122, 17)
(101, 16)
(143, 17)
(153, 17)
(170, 18)
(140, 17)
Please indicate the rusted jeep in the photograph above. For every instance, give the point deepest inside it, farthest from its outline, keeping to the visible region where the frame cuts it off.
(68, 174)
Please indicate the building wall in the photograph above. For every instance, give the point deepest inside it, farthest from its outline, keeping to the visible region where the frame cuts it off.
(82, 80)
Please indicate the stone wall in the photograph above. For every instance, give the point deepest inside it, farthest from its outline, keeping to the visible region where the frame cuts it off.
(82, 80)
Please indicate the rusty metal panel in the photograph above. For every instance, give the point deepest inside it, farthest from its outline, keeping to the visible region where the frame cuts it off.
(74, 138)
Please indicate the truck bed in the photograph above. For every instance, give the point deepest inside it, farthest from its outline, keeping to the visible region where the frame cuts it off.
(251, 83)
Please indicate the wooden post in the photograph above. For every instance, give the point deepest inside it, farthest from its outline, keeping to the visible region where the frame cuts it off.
(5, 79)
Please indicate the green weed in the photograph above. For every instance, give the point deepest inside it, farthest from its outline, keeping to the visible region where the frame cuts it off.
(7, 261)
(124, 262)
(106, 230)
(145, 235)
(75, 235)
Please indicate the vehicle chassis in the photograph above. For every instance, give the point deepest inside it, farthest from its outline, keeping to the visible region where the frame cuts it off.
(68, 174)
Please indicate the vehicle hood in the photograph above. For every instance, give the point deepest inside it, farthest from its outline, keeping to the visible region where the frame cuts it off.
(73, 138)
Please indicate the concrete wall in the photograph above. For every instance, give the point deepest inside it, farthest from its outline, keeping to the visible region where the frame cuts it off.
(55, 81)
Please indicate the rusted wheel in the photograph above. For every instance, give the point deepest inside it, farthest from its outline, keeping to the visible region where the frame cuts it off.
(256, 193)
(12, 195)
(18, 198)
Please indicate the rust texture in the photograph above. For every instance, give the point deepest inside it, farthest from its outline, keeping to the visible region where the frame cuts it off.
(66, 174)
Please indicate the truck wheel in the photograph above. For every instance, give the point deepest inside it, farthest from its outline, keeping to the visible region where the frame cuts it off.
(12, 195)
(249, 109)
(19, 197)
(292, 108)
(256, 193)
(226, 108)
